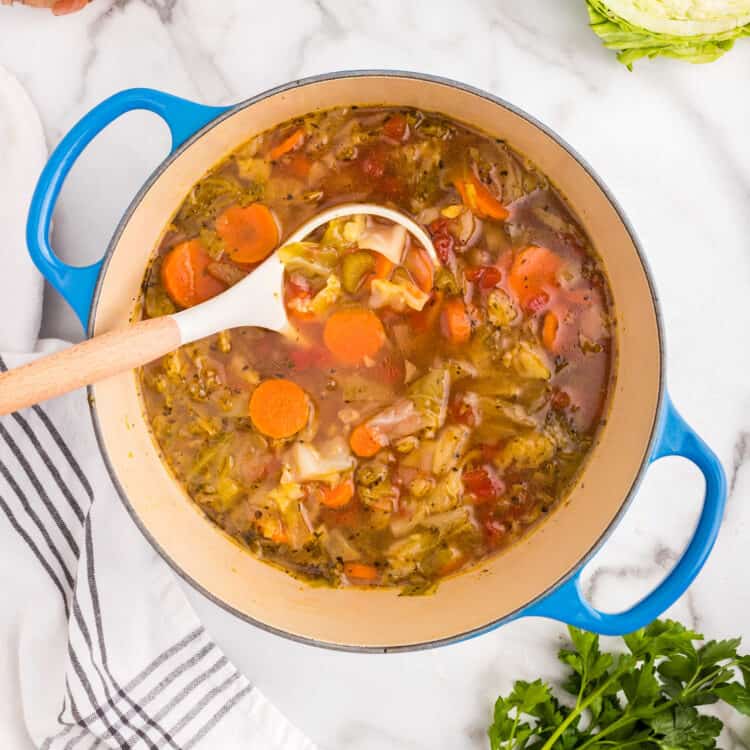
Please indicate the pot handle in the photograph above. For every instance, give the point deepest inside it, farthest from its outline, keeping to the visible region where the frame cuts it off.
(567, 603)
(77, 283)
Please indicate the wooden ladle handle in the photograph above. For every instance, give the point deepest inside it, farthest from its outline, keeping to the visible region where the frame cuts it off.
(88, 362)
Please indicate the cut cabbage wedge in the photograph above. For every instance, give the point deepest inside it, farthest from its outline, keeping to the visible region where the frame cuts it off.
(697, 31)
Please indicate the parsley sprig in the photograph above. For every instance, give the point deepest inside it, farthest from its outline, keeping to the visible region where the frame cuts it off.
(642, 699)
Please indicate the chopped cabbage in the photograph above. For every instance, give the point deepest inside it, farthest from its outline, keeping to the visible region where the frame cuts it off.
(404, 555)
(287, 496)
(526, 451)
(398, 297)
(500, 308)
(450, 447)
(697, 31)
(337, 545)
(421, 457)
(324, 464)
(446, 494)
(397, 421)
(500, 419)
(308, 258)
(448, 522)
(527, 362)
(388, 240)
(288, 491)
(430, 395)
(327, 296)
(374, 486)
(344, 232)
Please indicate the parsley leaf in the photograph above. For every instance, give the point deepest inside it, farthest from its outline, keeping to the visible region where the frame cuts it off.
(643, 699)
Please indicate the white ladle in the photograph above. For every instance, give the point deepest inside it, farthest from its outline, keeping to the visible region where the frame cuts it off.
(257, 300)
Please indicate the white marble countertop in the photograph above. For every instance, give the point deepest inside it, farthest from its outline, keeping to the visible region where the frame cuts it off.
(670, 139)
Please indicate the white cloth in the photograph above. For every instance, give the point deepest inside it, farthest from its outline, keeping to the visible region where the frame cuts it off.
(98, 646)
(22, 156)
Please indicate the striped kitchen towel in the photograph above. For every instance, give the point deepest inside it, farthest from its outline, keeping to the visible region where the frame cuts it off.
(99, 648)
(102, 647)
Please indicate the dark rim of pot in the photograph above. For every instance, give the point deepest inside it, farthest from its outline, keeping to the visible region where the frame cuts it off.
(585, 558)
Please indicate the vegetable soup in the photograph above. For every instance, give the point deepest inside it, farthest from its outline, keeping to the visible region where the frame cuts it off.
(425, 415)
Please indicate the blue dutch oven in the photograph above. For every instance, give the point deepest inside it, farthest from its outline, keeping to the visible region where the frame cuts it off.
(540, 576)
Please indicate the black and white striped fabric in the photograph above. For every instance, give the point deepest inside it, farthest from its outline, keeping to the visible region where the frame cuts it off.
(100, 648)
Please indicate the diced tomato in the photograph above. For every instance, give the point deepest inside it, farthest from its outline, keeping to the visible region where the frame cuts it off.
(491, 277)
(438, 226)
(396, 127)
(534, 271)
(537, 303)
(483, 483)
(494, 531)
(444, 247)
(442, 240)
(373, 164)
(462, 412)
(488, 277)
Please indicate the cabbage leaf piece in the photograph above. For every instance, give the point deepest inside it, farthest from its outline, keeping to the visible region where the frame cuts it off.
(700, 31)
(430, 395)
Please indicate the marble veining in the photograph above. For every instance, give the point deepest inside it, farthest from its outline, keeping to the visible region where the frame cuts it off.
(670, 140)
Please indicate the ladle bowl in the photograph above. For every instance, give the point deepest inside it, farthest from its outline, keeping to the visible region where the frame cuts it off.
(257, 300)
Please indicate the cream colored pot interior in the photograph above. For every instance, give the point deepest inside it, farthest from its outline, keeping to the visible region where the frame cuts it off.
(381, 619)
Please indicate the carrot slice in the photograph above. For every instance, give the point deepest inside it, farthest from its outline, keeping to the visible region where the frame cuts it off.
(185, 276)
(419, 265)
(533, 269)
(290, 143)
(383, 266)
(549, 331)
(299, 165)
(363, 442)
(455, 321)
(455, 558)
(279, 408)
(361, 571)
(476, 196)
(63, 7)
(425, 319)
(338, 496)
(353, 334)
(250, 233)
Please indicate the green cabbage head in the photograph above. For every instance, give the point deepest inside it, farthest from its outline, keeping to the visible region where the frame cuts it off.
(697, 31)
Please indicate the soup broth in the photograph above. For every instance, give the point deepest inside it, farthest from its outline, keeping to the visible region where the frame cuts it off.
(427, 414)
